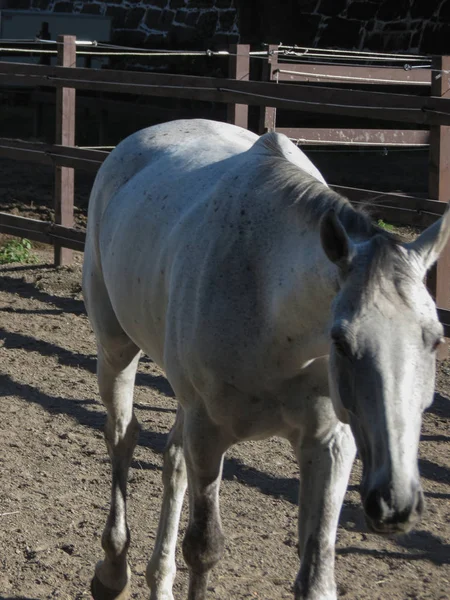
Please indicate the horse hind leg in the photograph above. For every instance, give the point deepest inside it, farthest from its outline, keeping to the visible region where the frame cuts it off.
(161, 568)
(116, 370)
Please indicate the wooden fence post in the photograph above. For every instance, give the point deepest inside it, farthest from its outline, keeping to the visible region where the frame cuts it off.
(439, 182)
(239, 68)
(65, 135)
(268, 114)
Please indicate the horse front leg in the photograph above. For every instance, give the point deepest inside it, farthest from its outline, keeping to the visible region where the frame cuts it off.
(325, 453)
(203, 544)
(116, 370)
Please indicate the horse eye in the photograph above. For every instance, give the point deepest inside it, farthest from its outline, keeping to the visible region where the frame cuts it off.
(341, 345)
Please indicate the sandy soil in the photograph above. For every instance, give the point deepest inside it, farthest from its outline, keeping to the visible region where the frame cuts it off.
(54, 473)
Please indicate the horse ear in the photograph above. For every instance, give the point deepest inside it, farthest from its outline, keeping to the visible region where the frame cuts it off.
(336, 244)
(431, 242)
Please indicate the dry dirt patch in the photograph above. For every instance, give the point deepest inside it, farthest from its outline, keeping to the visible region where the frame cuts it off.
(54, 474)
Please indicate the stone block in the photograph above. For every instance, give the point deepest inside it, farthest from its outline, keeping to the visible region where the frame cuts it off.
(435, 39)
(397, 42)
(341, 33)
(207, 24)
(20, 4)
(192, 18)
(396, 26)
(363, 11)
(372, 25)
(415, 41)
(390, 10)
(152, 18)
(424, 9)
(91, 8)
(63, 7)
(221, 40)
(200, 4)
(129, 37)
(175, 4)
(331, 8)
(373, 41)
(444, 12)
(180, 17)
(40, 4)
(166, 19)
(156, 39)
(118, 14)
(227, 19)
(301, 29)
(155, 4)
(134, 17)
(180, 36)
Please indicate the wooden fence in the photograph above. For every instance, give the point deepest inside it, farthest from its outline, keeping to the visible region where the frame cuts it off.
(238, 92)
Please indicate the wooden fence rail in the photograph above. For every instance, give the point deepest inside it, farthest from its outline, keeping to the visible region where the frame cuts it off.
(52, 154)
(367, 104)
(432, 111)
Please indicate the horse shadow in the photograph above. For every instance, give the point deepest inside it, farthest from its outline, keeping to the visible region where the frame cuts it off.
(159, 383)
(420, 544)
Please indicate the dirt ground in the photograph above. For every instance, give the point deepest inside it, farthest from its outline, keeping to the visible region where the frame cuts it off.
(54, 471)
(54, 477)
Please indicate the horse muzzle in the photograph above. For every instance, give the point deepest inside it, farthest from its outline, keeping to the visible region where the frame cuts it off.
(386, 515)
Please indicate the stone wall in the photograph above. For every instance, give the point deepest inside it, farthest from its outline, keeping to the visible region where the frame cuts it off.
(158, 23)
(381, 25)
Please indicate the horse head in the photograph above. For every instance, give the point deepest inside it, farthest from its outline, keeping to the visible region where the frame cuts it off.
(384, 336)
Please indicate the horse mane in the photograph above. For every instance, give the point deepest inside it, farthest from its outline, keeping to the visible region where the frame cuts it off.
(311, 199)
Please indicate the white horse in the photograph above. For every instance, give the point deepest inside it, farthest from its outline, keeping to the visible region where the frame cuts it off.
(275, 308)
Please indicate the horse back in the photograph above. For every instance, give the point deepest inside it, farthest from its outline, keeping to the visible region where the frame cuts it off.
(183, 233)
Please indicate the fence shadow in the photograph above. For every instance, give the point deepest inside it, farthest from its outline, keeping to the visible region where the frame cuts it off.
(440, 406)
(25, 289)
(155, 441)
(420, 545)
(17, 598)
(76, 359)
(285, 488)
(431, 470)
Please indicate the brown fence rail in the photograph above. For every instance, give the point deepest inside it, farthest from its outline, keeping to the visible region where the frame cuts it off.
(52, 154)
(237, 91)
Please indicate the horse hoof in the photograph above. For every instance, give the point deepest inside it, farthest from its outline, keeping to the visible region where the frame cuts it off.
(100, 591)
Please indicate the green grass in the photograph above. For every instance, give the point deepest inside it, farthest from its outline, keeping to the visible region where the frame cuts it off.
(17, 251)
(385, 226)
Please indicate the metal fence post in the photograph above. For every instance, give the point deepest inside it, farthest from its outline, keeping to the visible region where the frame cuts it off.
(239, 68)
(65, 135)
(439, 182)
(267, 116)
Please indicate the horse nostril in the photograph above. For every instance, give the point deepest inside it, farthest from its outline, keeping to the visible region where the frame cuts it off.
(372, 506)
(401, 516)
